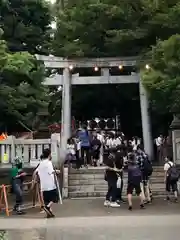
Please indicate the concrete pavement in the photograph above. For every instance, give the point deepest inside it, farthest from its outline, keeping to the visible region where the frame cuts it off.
(100, 228)
(90, 220)
(95, 208)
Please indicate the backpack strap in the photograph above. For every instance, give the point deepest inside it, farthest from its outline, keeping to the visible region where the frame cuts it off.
(170, 165)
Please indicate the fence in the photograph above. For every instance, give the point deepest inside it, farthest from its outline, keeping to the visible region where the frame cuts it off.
(28, 149)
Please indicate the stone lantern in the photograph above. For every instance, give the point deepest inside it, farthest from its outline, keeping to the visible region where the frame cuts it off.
(175, 128)
(41, 125)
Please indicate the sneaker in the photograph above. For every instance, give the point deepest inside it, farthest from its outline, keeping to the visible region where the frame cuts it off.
(20, 212)
(114, 204)
(50, 216)
(107, 203)
(48, 212)
(176, 200)
(130, 208)
(142, 206)
(122, 200)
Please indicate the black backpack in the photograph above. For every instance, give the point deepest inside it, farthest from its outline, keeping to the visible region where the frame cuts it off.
(147, 166)
(173, 173)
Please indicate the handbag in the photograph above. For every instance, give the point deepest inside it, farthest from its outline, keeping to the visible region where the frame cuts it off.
(118, 183)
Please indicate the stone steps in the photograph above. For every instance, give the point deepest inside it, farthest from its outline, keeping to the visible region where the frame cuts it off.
(90, 182)
(74, 182)
(102, 194)
(92, 188)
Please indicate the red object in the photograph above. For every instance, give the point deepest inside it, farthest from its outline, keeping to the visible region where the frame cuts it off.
(57, 126)
(3, 137)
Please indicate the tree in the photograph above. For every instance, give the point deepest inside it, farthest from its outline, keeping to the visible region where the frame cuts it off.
(94, 28)
(26, 31)
(163, 80)
(26, 25)
(22, 93)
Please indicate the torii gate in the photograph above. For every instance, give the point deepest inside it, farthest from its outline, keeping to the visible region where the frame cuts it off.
(67, 79)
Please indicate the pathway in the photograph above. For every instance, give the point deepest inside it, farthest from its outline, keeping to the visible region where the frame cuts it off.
(88, 219)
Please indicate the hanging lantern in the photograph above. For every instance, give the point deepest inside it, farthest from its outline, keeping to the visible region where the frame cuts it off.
(93, 124)
(102, 124)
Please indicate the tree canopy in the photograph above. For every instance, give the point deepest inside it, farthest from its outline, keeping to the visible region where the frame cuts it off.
(109, 28)
(163, 79)
(21, 91)
(25, 30)
(87, 28)
(26, 25)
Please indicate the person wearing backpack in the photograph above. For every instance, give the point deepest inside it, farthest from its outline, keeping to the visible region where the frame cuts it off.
(171, 178)
(134, 180)
(147, 170)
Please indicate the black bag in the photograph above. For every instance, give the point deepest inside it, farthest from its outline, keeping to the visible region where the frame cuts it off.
(173, 173)
(147, 167)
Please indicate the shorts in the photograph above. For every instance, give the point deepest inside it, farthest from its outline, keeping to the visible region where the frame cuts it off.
(131, 187)
(171, 185)
(96, 155)
(50, 196)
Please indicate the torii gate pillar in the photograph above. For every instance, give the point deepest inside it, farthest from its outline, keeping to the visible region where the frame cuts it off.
(66, 111)
(145, 119)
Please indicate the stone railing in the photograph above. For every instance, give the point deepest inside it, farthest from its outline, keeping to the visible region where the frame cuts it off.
(28, 149)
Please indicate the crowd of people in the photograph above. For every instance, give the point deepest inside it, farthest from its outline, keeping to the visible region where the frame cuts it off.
(139, 169)
(116, 153)
(91, 148)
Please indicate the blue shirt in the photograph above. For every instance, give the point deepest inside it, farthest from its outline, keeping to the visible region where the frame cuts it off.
(84, 138)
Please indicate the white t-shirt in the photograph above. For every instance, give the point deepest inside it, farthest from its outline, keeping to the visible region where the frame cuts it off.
(117, 141)
(46, 175)
(135, 144)
(100, 138)
(111, 143)
(167, 165)
(79, 146)
(71, 149)
(158, 141)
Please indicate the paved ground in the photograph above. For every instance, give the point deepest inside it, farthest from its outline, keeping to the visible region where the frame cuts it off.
(88, 219)
(95, 208)
(98, 228)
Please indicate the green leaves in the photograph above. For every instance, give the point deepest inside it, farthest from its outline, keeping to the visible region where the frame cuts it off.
(21, 91)
(107, 28)
(25, 30)
(163, 80)
(26, 25)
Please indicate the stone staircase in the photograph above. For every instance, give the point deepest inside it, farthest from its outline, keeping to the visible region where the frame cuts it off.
(84, 183)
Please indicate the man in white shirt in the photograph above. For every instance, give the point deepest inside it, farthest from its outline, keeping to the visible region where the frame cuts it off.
(48, 186)
(100, 137)
(159, 147)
